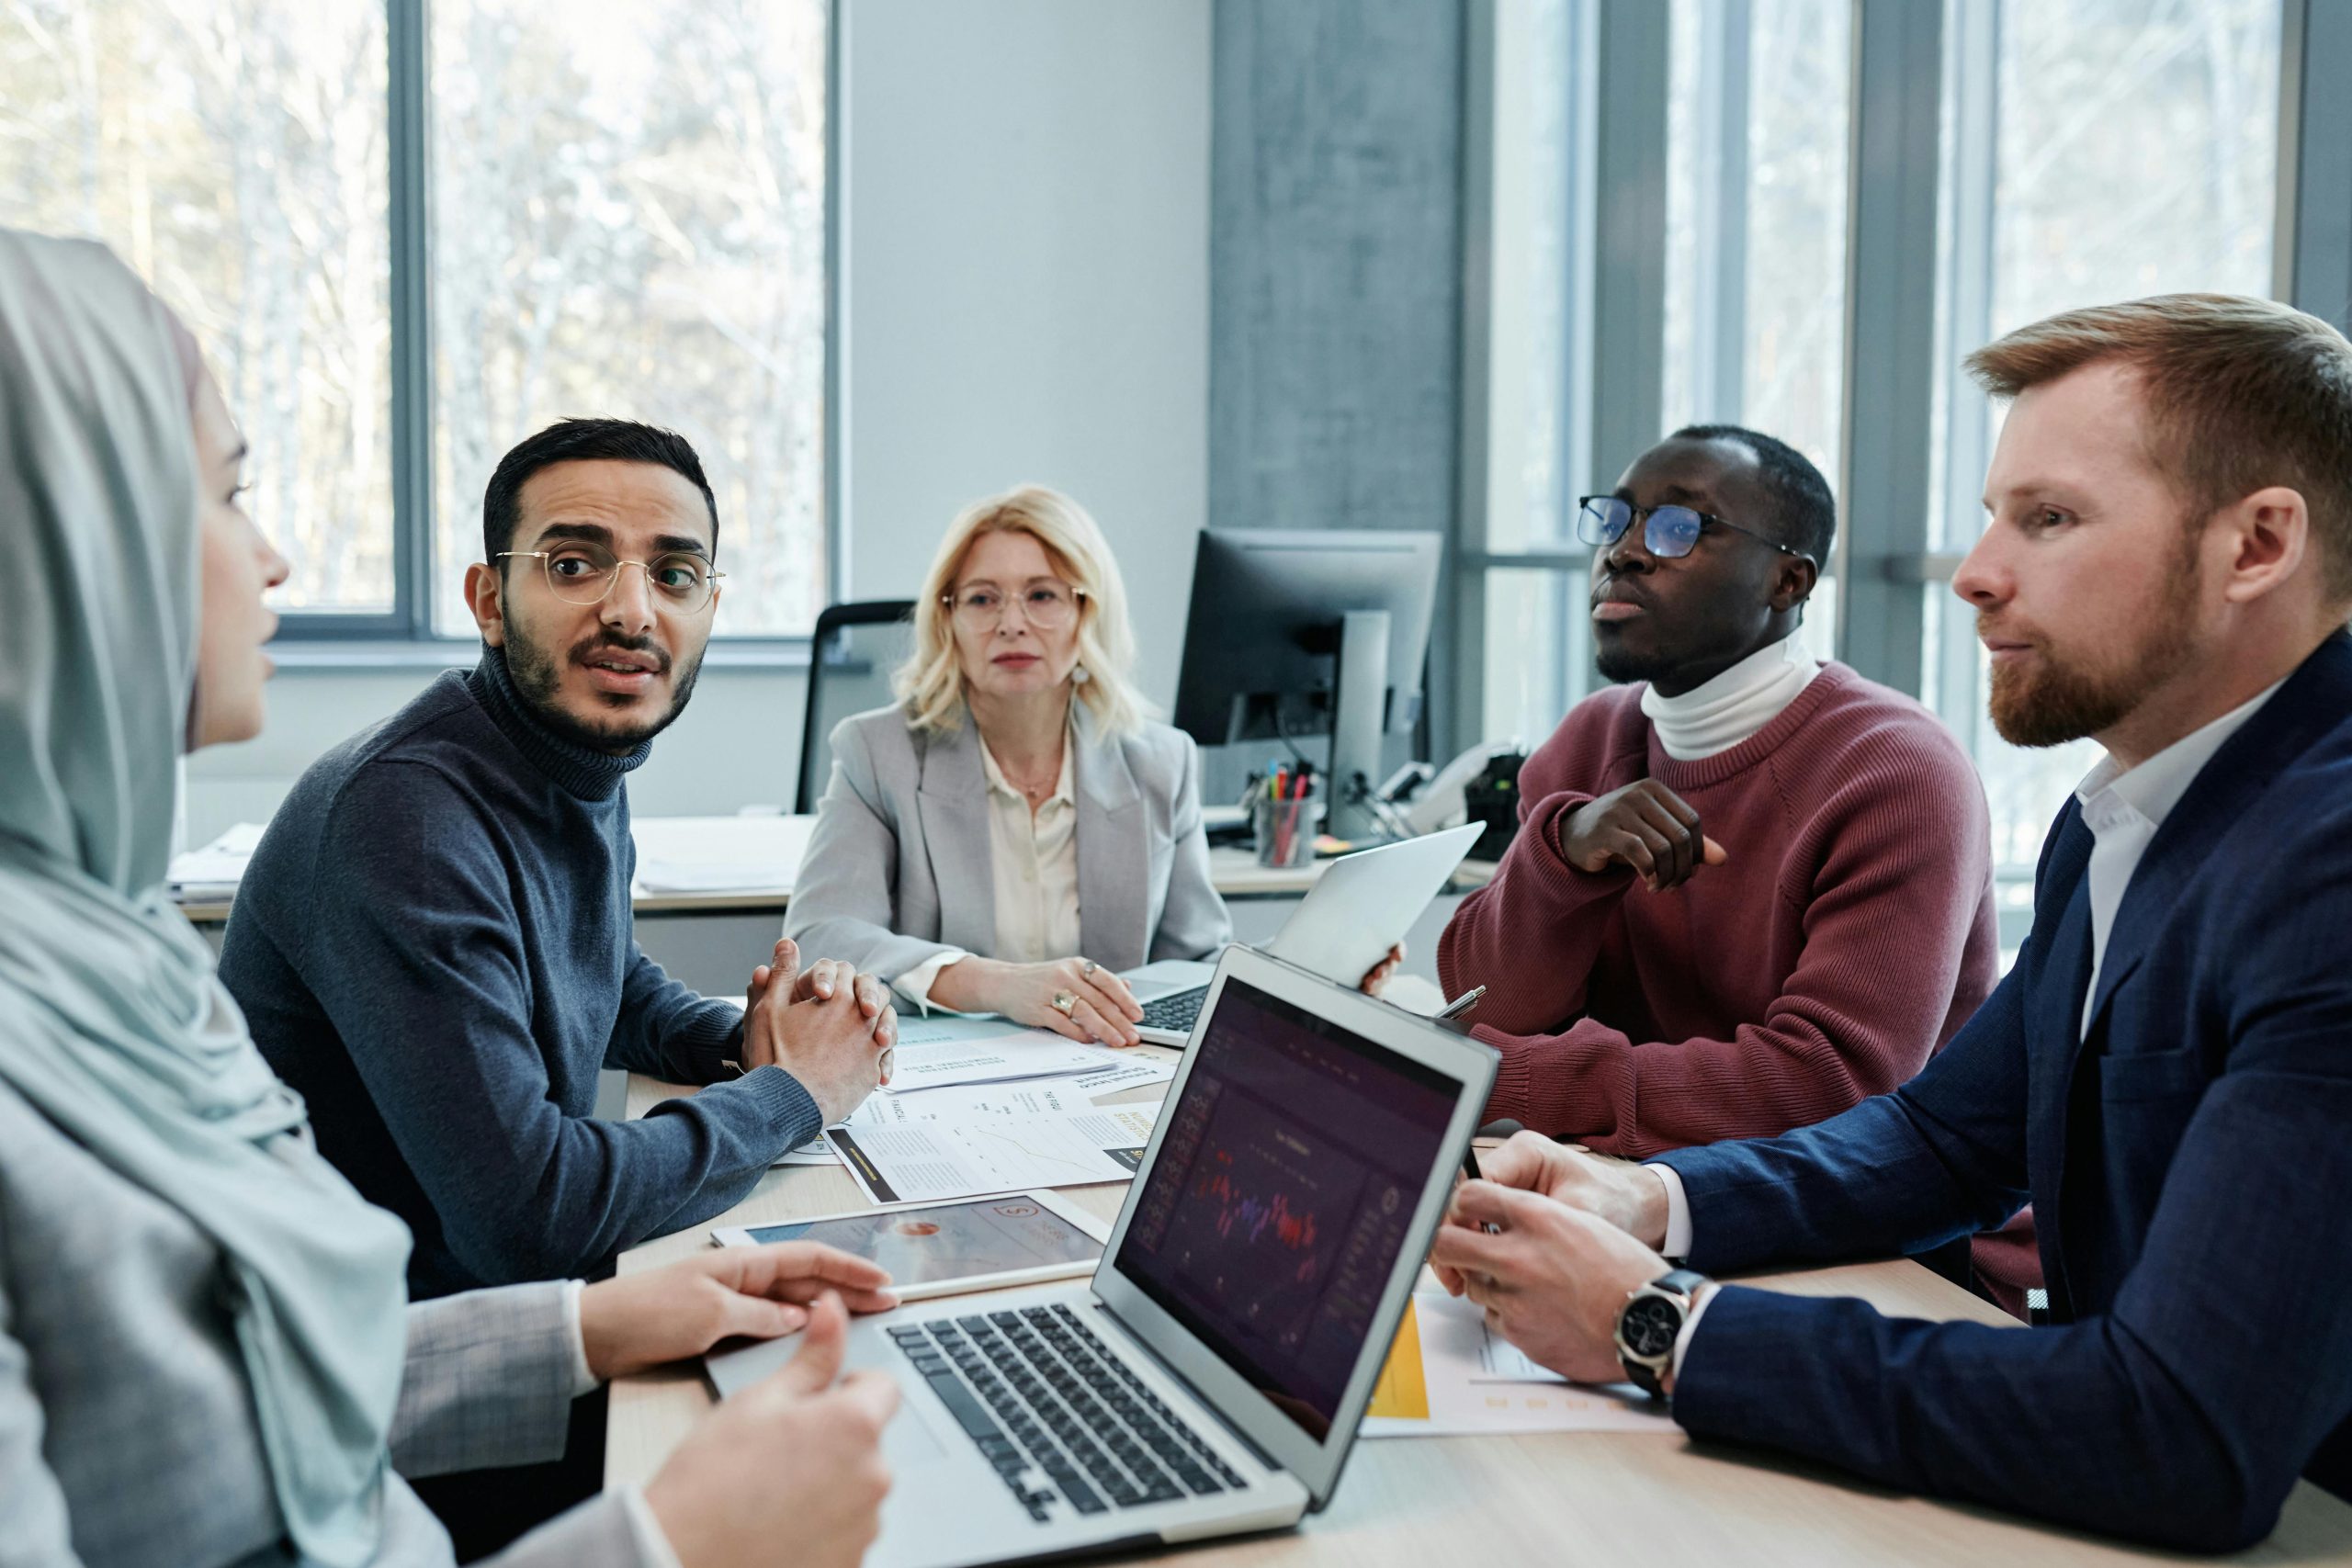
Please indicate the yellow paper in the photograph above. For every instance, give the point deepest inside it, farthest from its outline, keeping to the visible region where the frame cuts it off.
(1403, 1391)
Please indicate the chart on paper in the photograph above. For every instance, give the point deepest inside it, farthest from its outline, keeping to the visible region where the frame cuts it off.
(928, 1161)
(1070, 1095)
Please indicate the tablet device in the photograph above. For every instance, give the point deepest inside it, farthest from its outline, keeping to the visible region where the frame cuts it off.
(941, 1249)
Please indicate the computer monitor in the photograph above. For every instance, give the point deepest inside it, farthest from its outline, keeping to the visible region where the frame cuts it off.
(1310, 632)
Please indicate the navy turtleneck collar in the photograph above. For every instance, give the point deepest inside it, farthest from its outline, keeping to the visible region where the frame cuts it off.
(578, 769)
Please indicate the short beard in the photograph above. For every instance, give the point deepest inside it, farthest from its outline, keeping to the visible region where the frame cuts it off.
(2066, 705)
(537, 674)
(1617, 666)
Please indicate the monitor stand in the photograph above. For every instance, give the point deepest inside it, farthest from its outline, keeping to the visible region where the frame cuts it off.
(1359, 711)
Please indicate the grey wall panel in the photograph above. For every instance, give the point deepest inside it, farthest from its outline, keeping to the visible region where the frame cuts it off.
(1336, 265)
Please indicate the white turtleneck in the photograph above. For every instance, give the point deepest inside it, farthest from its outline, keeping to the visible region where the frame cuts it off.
(1719, 713)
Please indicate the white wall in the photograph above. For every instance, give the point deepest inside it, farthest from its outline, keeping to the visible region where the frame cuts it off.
(1025, 192)
(1028, 210)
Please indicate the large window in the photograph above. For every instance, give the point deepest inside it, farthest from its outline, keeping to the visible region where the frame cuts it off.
(625, 213)
(629, 218)
(2093, 150)
(1756, 133)
(220, 149)
(1760, 161)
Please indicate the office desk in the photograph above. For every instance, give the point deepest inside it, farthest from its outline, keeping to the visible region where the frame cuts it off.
(1589, 1497)
(1235, 871)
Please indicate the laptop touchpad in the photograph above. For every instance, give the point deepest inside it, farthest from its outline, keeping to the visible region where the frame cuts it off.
(907, 1440)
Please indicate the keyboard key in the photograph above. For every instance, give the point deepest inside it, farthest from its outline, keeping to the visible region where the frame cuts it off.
(967, 1411)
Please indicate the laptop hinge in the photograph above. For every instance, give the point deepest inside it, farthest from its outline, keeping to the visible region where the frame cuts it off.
(1181, 1380)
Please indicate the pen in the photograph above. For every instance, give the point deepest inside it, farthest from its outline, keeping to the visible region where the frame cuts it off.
(1470, 1170)
(1461, 1004)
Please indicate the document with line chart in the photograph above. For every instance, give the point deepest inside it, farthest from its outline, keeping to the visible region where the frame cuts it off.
(975, 1155)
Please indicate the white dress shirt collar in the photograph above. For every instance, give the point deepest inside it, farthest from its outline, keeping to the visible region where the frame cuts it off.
(2124, 807)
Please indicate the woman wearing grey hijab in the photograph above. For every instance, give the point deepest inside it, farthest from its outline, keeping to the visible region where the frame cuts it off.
(206, 1353)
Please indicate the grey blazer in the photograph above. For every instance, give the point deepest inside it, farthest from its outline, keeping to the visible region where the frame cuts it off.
(127, 1430)
(898, 869)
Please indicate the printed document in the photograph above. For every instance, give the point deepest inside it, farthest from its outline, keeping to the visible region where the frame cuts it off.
(977, 1154)
(1446, 1377)
(1025, 1097)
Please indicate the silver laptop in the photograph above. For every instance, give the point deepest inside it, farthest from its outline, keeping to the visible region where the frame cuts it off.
(1360, 908)
(1209, 1380)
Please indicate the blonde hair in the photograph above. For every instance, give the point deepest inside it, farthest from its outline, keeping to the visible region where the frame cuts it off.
(2241, 393)
(930, 685)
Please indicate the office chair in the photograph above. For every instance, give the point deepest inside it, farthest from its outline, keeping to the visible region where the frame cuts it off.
(852, 653)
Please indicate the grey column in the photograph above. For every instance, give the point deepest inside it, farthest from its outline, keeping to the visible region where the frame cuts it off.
(2314, 259)
(1890, 336)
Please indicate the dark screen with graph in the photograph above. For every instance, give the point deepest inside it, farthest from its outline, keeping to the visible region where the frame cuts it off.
(1282, 1195)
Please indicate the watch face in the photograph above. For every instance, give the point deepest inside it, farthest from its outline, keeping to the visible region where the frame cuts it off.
(1650, 1325)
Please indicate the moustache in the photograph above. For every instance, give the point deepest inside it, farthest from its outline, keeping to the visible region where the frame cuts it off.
(586, 650)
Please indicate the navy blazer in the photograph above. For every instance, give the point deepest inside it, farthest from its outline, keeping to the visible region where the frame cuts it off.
(2190, 1163)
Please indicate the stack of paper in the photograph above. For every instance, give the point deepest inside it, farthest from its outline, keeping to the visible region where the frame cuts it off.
(211, 873)
(719, 855)
(987, 1148)
(957, 1068)
(1022, 1095)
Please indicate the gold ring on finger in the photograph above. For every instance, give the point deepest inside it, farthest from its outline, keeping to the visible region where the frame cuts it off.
(1064, 1003)
(1089, 970)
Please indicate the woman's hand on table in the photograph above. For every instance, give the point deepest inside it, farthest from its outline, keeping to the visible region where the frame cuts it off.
(791, 1465)
(1102, 1009)
(634, 1322)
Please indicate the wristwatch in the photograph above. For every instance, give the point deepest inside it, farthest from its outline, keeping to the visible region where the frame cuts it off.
(1652, 1319)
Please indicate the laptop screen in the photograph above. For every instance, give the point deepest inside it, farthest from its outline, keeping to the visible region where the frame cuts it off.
(1284, 1187)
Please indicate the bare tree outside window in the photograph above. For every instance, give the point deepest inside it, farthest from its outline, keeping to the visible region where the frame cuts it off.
(2136, 154)
(232, 153)
(628, 219)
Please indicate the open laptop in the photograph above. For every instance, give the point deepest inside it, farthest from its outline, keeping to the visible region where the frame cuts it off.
(1209, 1380)
(1360, 908)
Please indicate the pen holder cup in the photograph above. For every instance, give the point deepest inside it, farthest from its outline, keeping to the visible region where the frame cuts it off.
(1286, 830)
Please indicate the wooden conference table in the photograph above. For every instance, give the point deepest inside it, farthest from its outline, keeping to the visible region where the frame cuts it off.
(1594, 1497)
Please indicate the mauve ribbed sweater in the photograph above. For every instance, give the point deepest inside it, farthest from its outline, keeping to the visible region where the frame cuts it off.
(1851, 934)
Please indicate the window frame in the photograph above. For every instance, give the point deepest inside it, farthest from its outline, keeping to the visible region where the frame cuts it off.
(1912, 64)
(405, 634)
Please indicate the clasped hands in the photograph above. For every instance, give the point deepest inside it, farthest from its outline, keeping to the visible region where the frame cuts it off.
(827, 1025)
(1573, 1234)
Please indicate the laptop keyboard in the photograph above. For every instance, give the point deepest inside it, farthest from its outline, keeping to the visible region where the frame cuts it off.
(1054, 1412)
(1175, 1013)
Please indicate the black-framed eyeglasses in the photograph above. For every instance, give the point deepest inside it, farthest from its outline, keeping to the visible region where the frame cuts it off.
(1668, 532)
(584, 573)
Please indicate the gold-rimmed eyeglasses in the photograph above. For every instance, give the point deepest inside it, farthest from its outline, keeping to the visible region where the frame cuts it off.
(1047, 606)
(682, 583)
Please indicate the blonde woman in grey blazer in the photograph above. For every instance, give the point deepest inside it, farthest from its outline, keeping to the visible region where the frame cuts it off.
(1013, 833)
(207, 1354)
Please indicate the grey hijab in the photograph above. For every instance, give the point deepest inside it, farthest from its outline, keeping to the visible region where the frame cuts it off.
(111, 1023)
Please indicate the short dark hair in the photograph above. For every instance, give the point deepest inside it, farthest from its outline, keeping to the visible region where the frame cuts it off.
(583, 440)
(1803, 507)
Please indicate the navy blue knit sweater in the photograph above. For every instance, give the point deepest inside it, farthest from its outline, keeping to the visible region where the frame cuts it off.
(433, 945)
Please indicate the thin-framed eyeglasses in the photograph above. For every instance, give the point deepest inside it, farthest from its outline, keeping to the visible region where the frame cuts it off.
(1668, 532)
(681, 581)
(1049, 606)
